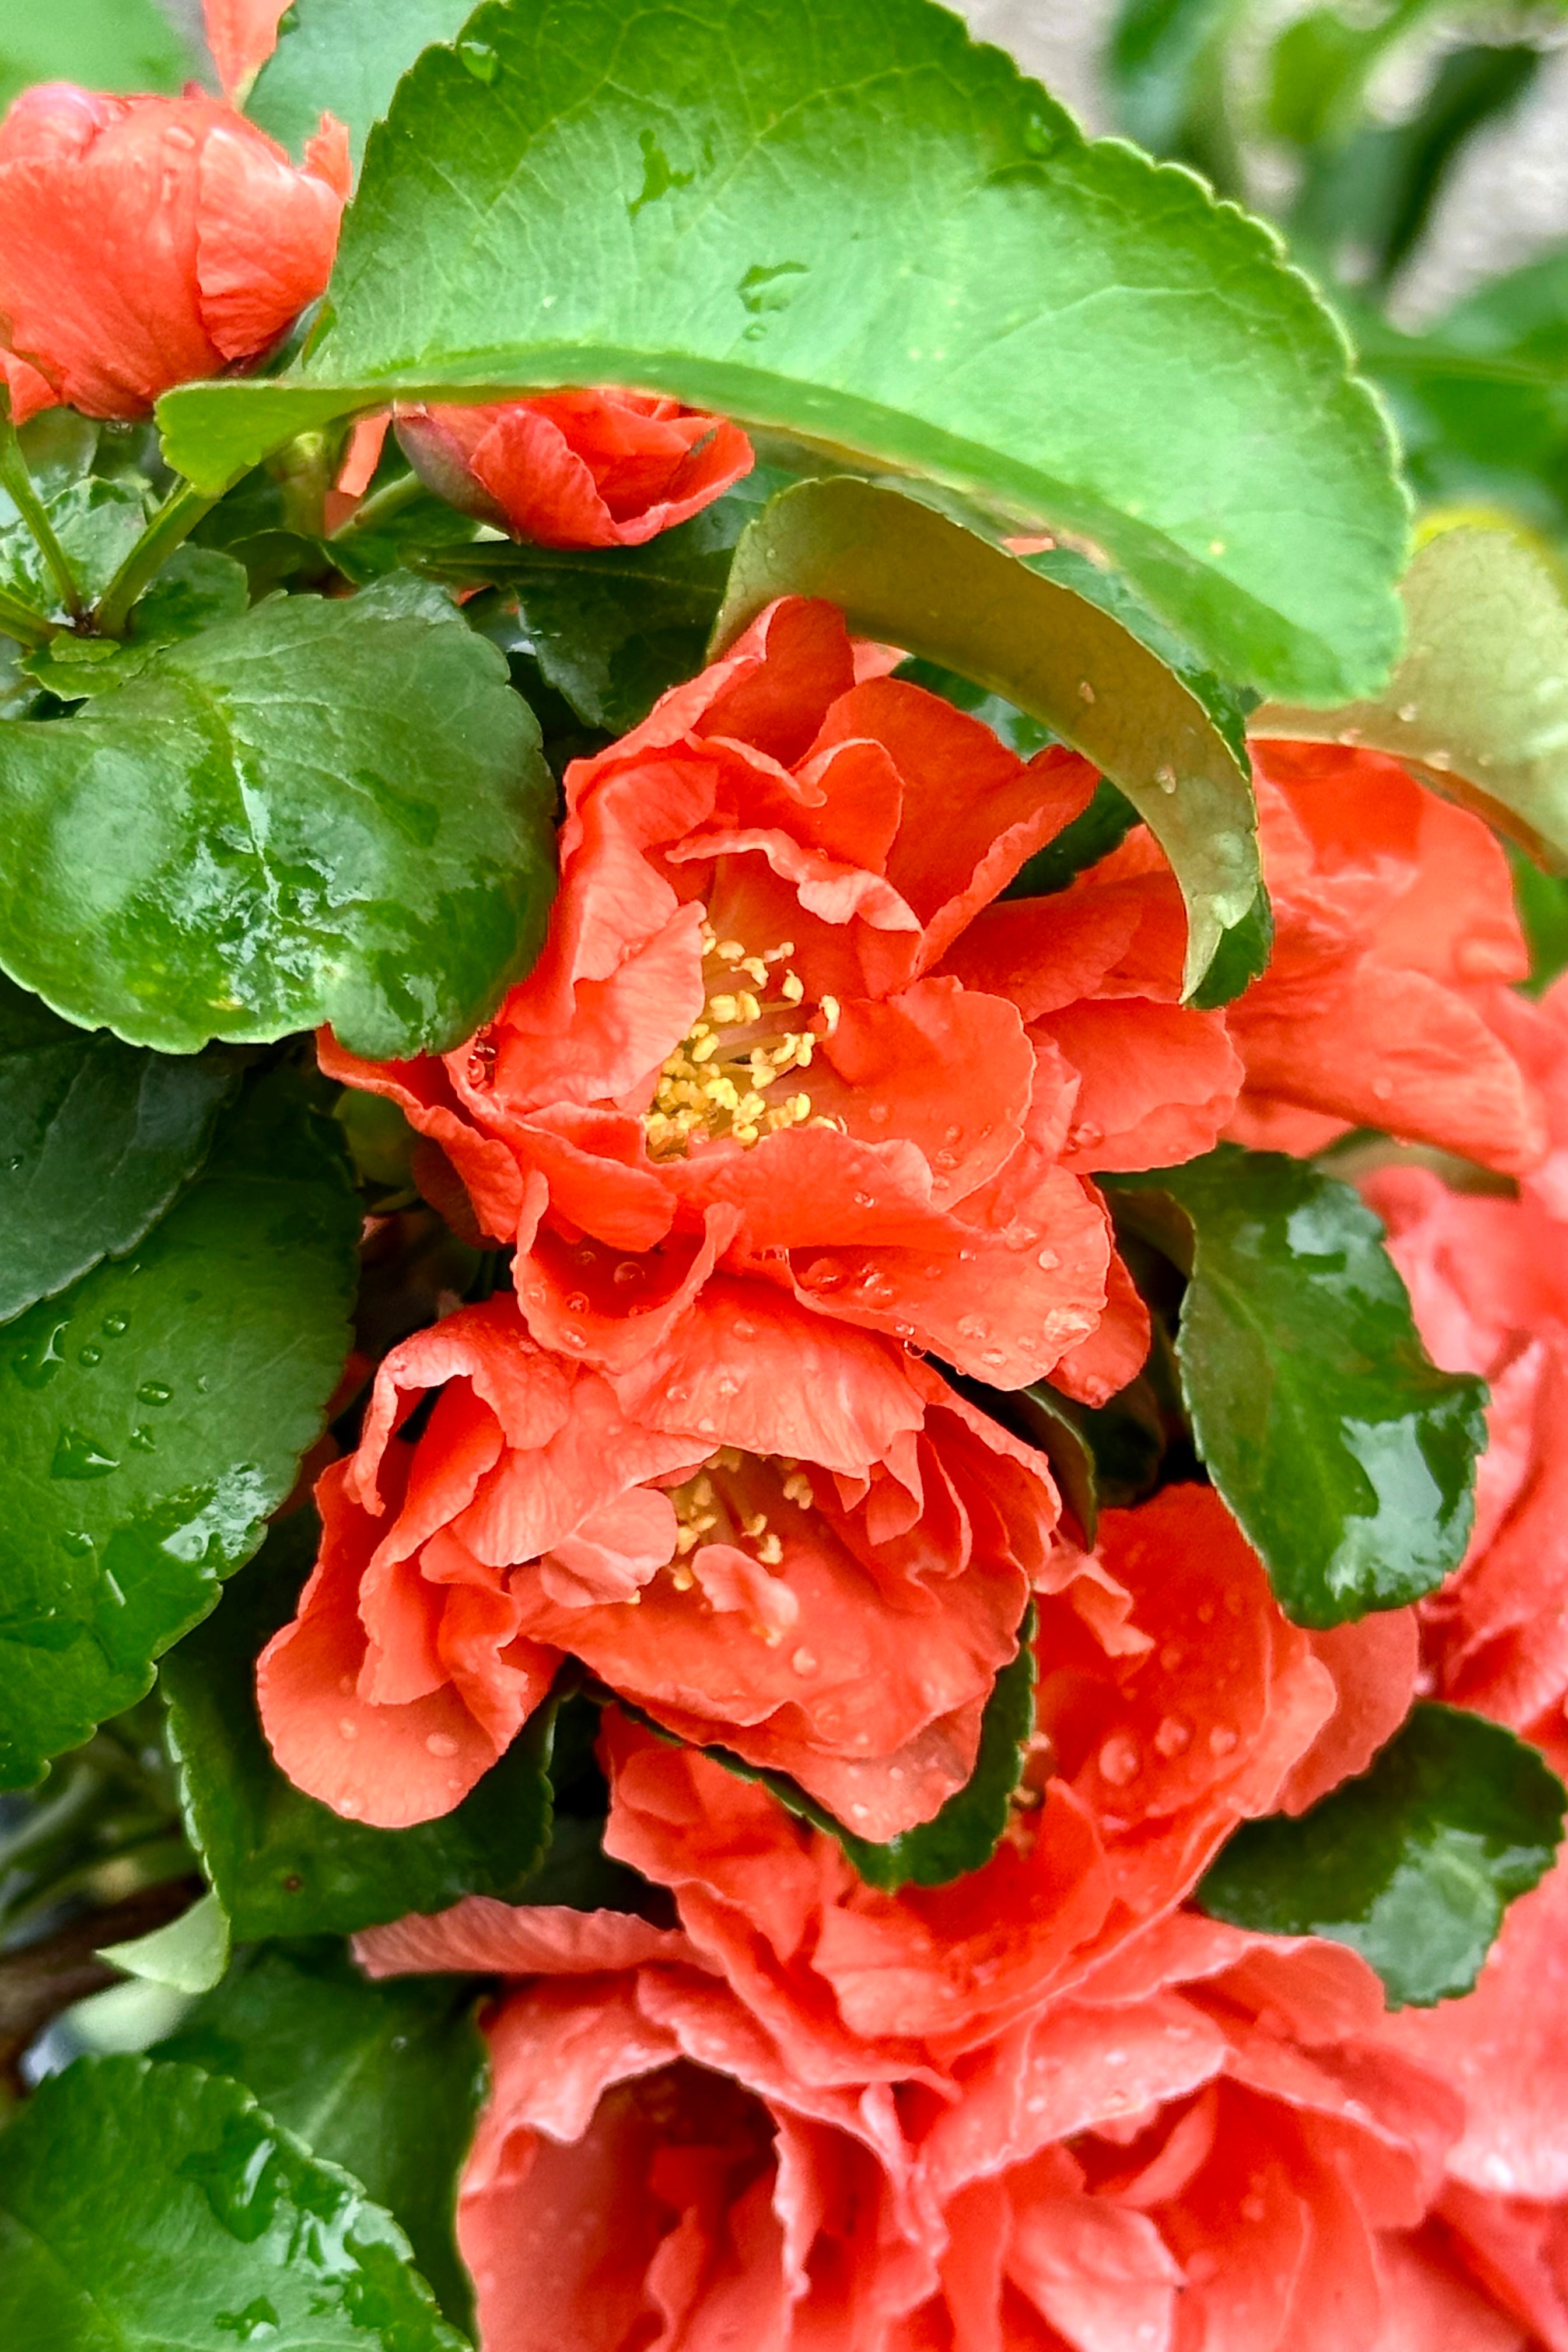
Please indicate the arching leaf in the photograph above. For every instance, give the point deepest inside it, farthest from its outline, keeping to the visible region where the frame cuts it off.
(852, 226)
(1479, 704)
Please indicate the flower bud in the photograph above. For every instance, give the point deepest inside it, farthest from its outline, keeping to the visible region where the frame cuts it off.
(576, 468)
(147, 241)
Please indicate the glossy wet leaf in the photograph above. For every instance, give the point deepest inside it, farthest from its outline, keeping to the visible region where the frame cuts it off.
(346, 57)
(968, 1829)
(1345, 1455)
(911, 258)
(97, 524)
(383, 2079)
(1479, 704)
(910, 575)
(122, 44)
(1414, 1864)
(329, 810)
(156, 1413)
(284, 1864)
(145, 2206)
(98, 1138)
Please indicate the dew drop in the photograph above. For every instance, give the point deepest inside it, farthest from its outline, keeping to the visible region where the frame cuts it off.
(154, 1393)
(577, 1304)
(1253, 2208)
(1120, 1760)
(865, 1200)
(1172, 1656)
(1409, 713)
(804, 1662)
(1222, 1739)
(1048, 1260)
(1085, 691)
(346, 1685)
(573, 1335)
(878, 1113)
(627, 1271)
(1166, 779)
(13, 1162)
(994, 1357)
(479, 59)
(349, 1807)
(348, 1728)
(77, 1546)
(79, 1457)
(440, 1743)
(1174, 1735)
(116, 1325)
(970, 1327)
(90, 1355)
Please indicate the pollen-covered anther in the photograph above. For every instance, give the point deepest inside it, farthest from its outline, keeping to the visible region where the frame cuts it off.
(715, 1082)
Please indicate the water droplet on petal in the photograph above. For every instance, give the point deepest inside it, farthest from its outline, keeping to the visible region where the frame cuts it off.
(1174, 1735)
(804, 1662)
(1120, 1760)
(347, 1728)
(1222, 1739)
(440, 1743)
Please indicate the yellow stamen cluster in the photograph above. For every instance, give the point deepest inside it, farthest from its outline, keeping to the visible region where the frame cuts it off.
(708, 1509)
(718, 1081)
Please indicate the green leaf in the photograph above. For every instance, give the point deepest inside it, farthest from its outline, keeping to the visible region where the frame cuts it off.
(346, 57)
(97, 524)
(197, 588)
(283, 1865)
(189, 1955)
(98, 1139)
(968, 1829)
(147, 2206)
(1073, 663)
(1542, 900)
(1345, 1455)
(1413, 1865)
(324, 811)
(854, 227)
(118, 45)
(155, 1414)
(384, 2079)
(611, 629)
(1480, 705)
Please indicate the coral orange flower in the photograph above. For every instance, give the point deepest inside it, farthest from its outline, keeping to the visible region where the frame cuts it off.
(1489, 1283)
(242, 36)
(1387, 1000)
(1503, 2215)
(602, 468)
(646, 2171)
(146, 241)
(772, 1532)
(1206, 2146)
(1174, 1700)
(736, 1050)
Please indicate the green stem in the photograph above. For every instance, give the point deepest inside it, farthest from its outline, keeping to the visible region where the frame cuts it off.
(174, 520)
(381, 505)
(25, 497)
(20, 621)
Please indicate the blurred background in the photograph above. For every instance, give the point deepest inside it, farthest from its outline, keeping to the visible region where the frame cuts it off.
(1415, 157)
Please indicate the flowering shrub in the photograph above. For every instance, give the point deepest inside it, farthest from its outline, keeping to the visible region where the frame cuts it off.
(782, 1302)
